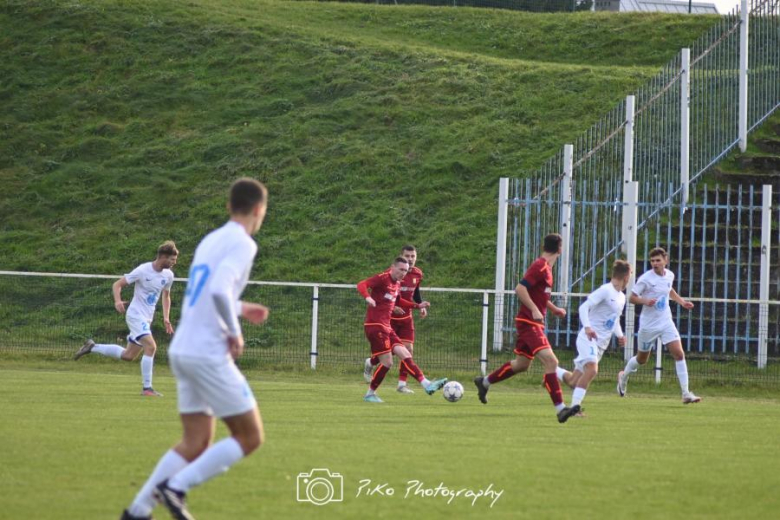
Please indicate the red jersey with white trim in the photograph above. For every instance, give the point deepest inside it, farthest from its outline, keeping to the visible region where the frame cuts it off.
(409, 284)
(539, 278)
(384, 290)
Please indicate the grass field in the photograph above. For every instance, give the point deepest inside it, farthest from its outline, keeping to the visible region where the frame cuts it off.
(79, 441)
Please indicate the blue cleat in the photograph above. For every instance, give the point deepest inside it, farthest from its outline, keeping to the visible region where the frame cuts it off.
(435, 385)
(372, 398)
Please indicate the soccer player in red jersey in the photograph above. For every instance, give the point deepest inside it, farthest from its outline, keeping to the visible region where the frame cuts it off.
(402, 320)
(534, 292)
(381, 292)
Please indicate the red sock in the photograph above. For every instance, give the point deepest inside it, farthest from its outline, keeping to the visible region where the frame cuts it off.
(553, 388)
(374, 361)
(403, 373)
(379, 376)
(505, 372)
(412, 368)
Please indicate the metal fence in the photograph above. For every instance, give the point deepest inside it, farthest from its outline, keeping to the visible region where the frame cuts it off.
(654, 146)
(316, 325)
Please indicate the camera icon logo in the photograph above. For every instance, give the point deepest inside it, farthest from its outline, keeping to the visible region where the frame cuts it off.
(320, 487)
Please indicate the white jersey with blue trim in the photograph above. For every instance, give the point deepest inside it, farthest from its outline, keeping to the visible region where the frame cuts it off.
(222, 264)
(601, 312)
(148, 285)
(653, 287)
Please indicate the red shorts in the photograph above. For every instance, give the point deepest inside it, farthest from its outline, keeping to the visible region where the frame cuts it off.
(382, 341)
(404, 329)
(530, 339)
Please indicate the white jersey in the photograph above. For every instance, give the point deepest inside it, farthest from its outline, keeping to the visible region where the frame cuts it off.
(148, 286)
(601, 312)
(222, 263)
(654, 287)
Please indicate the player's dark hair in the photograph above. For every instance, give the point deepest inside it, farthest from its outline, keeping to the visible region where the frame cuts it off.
(401, 260)
(245, 194)
(552, 243)
(167, 248)
(408, 247)
(658, 251)
(620, 269)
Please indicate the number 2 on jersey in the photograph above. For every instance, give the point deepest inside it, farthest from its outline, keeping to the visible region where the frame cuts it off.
(198, 275)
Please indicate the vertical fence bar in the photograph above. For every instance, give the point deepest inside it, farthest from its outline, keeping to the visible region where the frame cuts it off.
(743, 78)
(565, 225)
(766, 249)
(659, 348)
(498, 311)
(315, 311)
(630, 197)
(628, 163)
(483, 352)
(685, 124)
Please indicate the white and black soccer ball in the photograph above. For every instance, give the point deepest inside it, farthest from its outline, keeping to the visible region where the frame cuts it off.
(452, 391)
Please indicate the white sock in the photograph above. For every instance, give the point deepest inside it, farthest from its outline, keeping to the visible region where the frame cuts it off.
(632, 366)
(214, 461)
(425, 382)
(561, 373)
(371, 391)
(560, 406)
(486, 382)
(401, 384)
(170, 464)
(114, 351)
(147, 364)
(682, 375)
(578, 395)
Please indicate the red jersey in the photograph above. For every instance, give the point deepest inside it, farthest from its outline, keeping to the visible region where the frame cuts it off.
(409, 284)
(384, 290)
(539, 280)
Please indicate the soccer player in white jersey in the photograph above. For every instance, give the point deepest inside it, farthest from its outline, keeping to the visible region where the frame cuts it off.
(202, 355)
(152, 281)
(600, 317)
(653, 290)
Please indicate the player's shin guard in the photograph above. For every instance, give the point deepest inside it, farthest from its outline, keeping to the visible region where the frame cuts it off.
(553, 388)
(379, 376)
(411, 368)
(503, 372)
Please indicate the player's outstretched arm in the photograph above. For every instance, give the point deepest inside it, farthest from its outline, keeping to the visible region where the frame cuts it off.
(679, 299)
(254, 313)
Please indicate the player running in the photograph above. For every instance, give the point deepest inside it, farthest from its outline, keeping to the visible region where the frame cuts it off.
(600, 317)
(381, 292)
(150, 281)
(402, 320)
(653, 291)
(534, 292)
(202, 355)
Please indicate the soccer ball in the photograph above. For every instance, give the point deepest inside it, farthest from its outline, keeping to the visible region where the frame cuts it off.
(452, 391)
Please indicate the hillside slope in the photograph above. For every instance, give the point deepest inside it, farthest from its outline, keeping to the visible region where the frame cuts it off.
(123, 122)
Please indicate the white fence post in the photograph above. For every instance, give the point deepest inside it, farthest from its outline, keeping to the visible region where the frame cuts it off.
(315, 308)
(743, 75)
(766, 250)
(630, 198)
(685, 124)
(483, 352)
(564, 269)
(628, 142)
(498, 310)
(659, 348)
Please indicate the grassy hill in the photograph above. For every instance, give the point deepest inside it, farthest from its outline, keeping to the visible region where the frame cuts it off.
(123, 122)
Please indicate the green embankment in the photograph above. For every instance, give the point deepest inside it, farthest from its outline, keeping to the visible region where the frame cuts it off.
(122, 123)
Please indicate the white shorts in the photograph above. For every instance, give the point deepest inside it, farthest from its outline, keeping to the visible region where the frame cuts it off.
(213, 387)
(588, 351)
(647, 338)
(138, 328)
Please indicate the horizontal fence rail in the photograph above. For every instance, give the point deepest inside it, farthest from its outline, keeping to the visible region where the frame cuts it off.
(51, 315)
